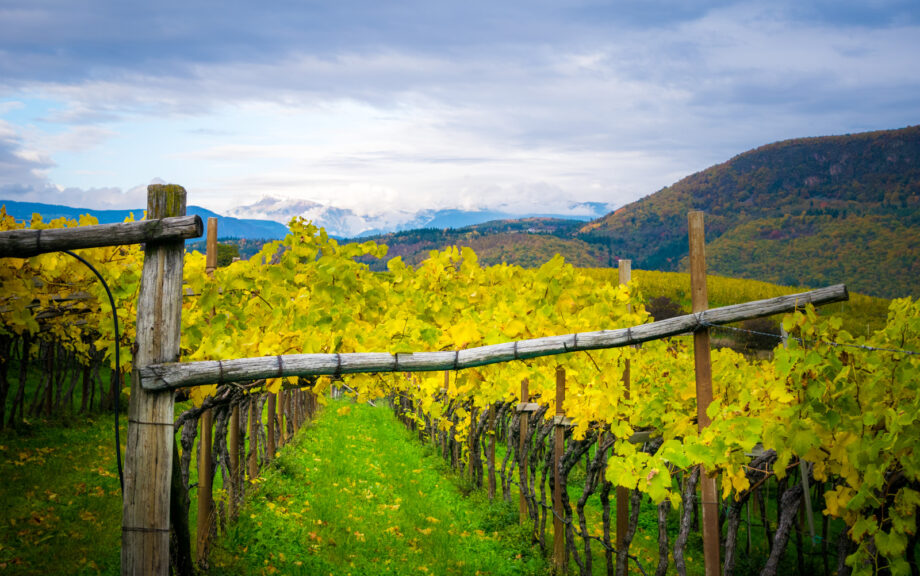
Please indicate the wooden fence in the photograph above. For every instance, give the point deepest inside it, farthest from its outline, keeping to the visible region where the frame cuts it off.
(157, 372)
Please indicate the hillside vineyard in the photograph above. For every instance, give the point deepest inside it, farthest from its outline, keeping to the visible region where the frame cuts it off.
(851, 413)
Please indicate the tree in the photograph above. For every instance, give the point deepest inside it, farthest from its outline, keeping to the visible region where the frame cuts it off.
(226, 253)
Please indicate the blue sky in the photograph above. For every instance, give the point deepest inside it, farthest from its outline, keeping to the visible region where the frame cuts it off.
(390, 107)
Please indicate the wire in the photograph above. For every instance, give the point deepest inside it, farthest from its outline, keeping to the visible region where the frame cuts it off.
(778, 337)
(115, 373)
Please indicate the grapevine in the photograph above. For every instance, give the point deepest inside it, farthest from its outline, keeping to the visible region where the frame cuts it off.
(851, 413)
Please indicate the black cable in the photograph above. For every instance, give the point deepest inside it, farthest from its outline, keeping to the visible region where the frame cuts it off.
(117, 372)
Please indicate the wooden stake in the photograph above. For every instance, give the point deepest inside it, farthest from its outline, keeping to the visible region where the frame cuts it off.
(253, 439)
(205, 485)
(471, 445)
(701, 356)
(522, 450)
(205, 481)
(559, 555)
(270, 428)
(491, 456)
(296, 405)
(234, 449)
(211, 258)
(282, 432)
(625, 275)
(149, 449)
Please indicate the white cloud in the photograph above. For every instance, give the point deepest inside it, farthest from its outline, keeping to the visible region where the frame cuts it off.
(607, 110)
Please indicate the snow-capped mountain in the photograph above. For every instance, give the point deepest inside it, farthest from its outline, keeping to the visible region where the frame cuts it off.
(347, 223)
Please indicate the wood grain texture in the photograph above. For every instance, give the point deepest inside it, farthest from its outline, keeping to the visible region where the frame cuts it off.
(205, 489)
(559, 550)
(29, 242)
(704, 396)
(149, 447)
(622, 494)
(211, 247)
(170, 376)
(523, 449)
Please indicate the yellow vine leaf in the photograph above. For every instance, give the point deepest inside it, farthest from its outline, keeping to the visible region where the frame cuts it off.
(199, 393)
(273, 385)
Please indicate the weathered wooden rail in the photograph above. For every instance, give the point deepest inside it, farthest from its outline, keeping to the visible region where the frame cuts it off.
(30, 242)
(171, 376)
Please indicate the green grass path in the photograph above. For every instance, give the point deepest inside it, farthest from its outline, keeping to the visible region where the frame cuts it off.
(354, 494)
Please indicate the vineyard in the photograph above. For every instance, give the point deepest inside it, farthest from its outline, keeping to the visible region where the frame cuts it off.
(818, 440)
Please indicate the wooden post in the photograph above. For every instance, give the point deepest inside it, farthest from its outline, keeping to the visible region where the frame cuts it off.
(625, 275)
(149, 449)
(294, 407)
(211, 257)
(205, 479)
(559, 555)
(253, 439)
(491, 456)
(234, 449)
(282, 430)
(471, 445)
(205, 485)
(270, 428)
(522, 450)
(701, 356)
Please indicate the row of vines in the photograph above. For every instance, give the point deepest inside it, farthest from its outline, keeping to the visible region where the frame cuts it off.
(848, 413)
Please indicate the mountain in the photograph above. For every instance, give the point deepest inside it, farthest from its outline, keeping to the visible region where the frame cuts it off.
(227, 227)
(810, 211)
(346, 223)
(803, 212)
(528, 242)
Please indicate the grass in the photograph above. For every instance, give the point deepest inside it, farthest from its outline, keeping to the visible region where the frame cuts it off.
(356, 495)
(60, 498)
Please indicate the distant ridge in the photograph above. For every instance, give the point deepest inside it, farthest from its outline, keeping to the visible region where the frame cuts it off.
(227, 227)
(803, 212)
(809, 211)
(528, 242)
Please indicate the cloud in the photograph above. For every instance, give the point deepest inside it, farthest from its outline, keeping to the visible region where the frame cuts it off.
(23, 177)
(21, 169)
(376, 107)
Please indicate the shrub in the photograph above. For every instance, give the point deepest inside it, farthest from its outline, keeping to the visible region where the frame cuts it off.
(662, 308)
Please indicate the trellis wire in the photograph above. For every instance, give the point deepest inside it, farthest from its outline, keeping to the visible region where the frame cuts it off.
(779, 337)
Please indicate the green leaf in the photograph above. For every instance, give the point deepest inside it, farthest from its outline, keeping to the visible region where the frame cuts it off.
(673, 452)
(714, 409)
(803, 440)
(892, 544)
(864, 526)
(659, 483)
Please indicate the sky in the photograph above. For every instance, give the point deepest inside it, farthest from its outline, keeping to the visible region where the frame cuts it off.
(392, 107)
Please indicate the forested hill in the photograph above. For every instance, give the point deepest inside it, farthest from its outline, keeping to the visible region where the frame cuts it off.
(810, 211)
(528, 242)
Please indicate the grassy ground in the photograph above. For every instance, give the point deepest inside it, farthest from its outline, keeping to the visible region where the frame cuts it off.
(356, 495)
(60, 502)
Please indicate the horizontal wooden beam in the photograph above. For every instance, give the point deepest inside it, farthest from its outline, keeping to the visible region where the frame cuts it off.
(30, 242)
(527, 407)
(184, 374)
(562, 420)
